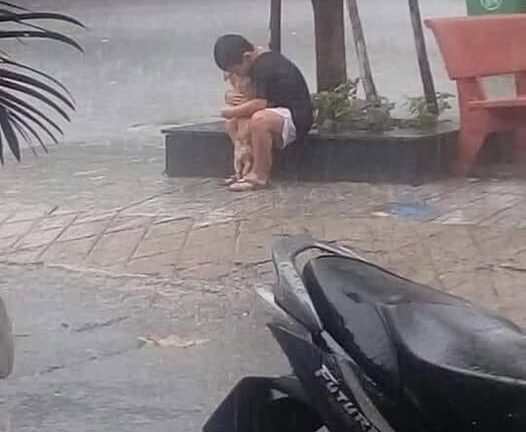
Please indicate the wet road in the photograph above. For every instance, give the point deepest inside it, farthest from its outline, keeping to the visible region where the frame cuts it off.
(82, 363)
(149, 62)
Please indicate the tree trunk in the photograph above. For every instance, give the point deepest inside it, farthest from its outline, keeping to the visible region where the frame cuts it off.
(275, 25)
(331, 66)
(366, 74)
(423, 60)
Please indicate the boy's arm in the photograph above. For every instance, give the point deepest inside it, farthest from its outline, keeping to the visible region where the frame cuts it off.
(245, 110)
(234, 98)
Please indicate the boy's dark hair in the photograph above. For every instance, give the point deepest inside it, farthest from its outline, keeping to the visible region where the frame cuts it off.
(229, 50)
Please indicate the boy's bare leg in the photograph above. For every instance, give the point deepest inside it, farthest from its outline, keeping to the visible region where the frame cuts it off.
(266, 128)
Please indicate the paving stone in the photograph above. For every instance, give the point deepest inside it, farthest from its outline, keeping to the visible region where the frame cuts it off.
(126, 223)
(486, 207)
(38, 238)
(473, 284)
(509, 284)
(170, 226)
(260, 224)
(213, 244)
(498, 187)
(455, 217)
(70, 252)
(164, 236)
(511, 294)
(509, 217)
(453, 249)
(255, 239)
(206, 271)
(161, 265)
(456, 198)
(56, 221)
(253, 248)
(378, 257)
(391, 234)
(24, 256)
(59, 211)
(514, 314)
(413, 262)
(311, 225)
(355, 232)
(84, 230)
(96, 216)
(155, 245)
(30, 214)
(434, 191)
(498, 245)
(518, 260)
(4, 216)
(115, 248)
(14, 229)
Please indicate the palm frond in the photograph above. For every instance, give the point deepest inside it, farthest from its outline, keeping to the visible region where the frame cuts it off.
(9, 133)
(19, 17)
(41, 34)
(25, 92)
(55, 81)
(26, 24)
(11, 5)
(22, 132)
(26, 79)
(30, 112)
(29, 129)
(36, 94)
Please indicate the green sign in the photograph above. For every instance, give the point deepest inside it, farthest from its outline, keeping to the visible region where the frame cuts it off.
(488, 7)
(491, 5)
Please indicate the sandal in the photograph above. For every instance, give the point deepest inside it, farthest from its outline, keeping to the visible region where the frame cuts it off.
(234, 178)
(246, 185)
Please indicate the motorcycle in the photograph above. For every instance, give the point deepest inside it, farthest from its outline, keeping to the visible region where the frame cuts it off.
(371, 351)
(6, 343)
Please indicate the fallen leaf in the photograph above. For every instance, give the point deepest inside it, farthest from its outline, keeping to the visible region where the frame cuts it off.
(173, 341)
(381, 214)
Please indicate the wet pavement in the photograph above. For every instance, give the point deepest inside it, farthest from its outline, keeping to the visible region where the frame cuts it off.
(83, 363)
(107, 207)
(132, 294)
(101, 254)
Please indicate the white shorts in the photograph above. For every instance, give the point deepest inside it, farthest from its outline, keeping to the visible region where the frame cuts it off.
(288, 134)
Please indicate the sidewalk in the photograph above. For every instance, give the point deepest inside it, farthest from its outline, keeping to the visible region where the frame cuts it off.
(105, 207)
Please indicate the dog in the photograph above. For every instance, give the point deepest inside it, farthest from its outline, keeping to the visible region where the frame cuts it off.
(239, 130)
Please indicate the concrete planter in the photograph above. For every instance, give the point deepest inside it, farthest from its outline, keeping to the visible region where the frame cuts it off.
(406, 156)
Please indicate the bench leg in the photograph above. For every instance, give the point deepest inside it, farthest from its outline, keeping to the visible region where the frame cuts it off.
(470, 143)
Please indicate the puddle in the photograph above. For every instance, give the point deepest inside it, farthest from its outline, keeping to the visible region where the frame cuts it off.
(408, 210)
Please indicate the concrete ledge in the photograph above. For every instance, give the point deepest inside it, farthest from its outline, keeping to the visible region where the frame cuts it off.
(402, 156)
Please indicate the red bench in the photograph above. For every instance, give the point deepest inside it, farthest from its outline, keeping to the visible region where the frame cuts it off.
(478, 47)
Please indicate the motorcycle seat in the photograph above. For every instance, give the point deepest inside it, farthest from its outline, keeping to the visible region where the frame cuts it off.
(427, 344)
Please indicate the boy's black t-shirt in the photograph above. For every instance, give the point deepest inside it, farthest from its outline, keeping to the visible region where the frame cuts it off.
(280, 82)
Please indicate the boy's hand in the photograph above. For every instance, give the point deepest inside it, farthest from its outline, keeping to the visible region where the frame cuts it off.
(233, 98)
(246, 109)
(227, 112)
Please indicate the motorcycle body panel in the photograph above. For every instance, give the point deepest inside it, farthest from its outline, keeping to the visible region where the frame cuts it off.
(374, 352)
